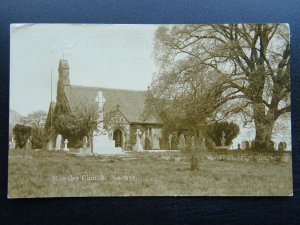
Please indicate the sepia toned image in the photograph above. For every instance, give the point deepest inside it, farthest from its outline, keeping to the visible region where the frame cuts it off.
(149, 110)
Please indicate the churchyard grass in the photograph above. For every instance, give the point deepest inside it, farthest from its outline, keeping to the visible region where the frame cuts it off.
(53, 174)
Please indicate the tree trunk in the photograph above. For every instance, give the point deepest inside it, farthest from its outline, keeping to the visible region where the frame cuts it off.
(91, 142)
(264, 123)
(194, 160)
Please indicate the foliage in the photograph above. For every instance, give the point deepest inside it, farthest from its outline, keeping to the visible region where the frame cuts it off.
(21, 134)
(70, 127)
(82, 121)
(245, 69)
(37, 137)
(215, 132)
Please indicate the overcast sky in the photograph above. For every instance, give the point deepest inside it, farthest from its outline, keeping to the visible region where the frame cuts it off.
(115, 56)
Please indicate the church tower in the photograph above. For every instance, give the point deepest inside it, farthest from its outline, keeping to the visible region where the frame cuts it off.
(63, 70)
(63, 80)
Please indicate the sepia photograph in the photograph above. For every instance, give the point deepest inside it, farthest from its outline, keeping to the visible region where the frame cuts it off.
(149, 110)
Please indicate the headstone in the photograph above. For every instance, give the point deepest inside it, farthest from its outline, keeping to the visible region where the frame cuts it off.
(66, 145)
(181, 144)
(13, 143)
(284, 145)
(138, 146)
(247, 145)
(28, 144)
(174, 142)
(170, 140)
(280, 147)
(144, 140)
(223, 142)
(58, 142)
(50, 145)
(243, 145)
(155, 142)
(84, 142)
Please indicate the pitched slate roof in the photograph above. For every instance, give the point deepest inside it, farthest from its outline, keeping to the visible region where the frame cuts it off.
(131, 103)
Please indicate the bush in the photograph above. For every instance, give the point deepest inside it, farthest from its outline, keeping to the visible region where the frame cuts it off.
(37, 137)
(21, 134)
(215, 131)
(70, 128)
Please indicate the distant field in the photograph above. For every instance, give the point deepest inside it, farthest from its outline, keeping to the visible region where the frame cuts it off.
(54, 174)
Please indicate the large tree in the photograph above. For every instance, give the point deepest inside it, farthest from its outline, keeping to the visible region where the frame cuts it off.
(250, 65)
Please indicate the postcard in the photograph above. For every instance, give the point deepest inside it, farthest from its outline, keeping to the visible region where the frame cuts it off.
(149, 110)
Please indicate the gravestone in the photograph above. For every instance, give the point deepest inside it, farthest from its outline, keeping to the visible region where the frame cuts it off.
(247, 145)
(170, 136)
(181, 144)
(243, 145)
(138, 146)
(155, 141)
(143, 140)
(12, 144)
(280, 147)
(84, 142)
(58, 142)
(86, 149)
(66, 145)
(50, 145)
(284, 145)
(223, 142)
(174, 142)
(28, 144)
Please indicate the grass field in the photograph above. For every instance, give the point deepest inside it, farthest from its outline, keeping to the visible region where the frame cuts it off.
(56, 174)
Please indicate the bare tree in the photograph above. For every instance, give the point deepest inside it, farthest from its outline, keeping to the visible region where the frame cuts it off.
(35, 118)
(251, 64)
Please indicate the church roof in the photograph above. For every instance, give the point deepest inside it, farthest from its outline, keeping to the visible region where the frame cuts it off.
(131, 103)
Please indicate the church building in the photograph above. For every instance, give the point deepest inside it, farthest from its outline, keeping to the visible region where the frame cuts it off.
(126, 110)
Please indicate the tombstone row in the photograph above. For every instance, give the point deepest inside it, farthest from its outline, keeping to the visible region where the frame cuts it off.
(13, 145)
(58, 144)
(246, 145)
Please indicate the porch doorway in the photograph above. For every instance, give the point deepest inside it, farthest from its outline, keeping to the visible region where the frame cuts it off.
(118, 138)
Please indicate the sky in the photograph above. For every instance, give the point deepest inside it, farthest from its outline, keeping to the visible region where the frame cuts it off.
(113, 56)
